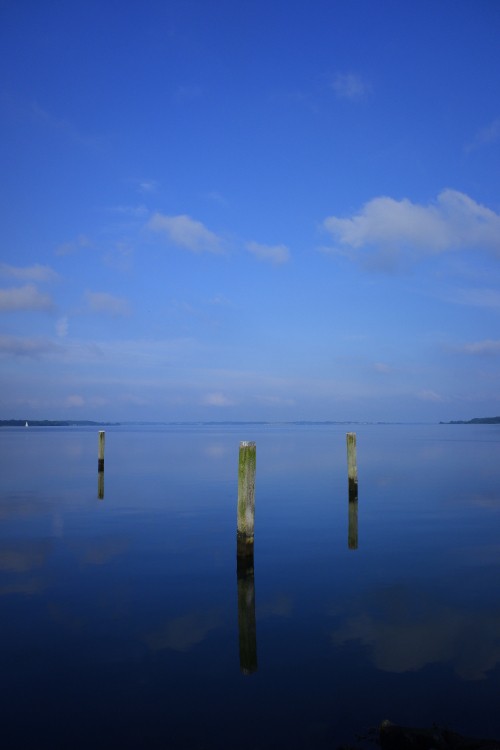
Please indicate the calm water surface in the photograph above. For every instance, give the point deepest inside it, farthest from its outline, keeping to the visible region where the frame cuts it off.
(120, 618)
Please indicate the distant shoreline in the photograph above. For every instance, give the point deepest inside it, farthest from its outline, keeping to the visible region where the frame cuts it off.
(91, 423)
(476, 420)
(88, 423)
(54, 423)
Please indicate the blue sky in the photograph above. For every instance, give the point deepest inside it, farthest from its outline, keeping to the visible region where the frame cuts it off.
(220, 210)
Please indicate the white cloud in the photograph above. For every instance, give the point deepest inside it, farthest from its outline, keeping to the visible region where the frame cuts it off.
(349, 86)
(388, 227)
(102, 302)
(277, 254)
(28, 273)
(26, 347)
(24, 298)
(487, 347)
(186, 232)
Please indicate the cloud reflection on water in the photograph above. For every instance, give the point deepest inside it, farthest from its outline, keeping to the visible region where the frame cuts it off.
(184, 632)
(409, 630)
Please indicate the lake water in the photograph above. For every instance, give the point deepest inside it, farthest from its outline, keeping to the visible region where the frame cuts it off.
(120, 618)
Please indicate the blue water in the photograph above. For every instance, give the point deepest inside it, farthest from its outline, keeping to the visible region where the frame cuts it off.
(119, 621)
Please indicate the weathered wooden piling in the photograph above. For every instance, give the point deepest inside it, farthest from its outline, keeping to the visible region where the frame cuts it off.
(352, 466)
(246, 499)
(100, 452)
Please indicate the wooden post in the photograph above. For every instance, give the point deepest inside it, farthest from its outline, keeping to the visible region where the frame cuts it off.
(100, 465)
(245, 570)
(100, 454)
(246, 499)
(352, 467)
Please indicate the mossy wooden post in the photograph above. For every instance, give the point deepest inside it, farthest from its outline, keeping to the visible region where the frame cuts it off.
(245, 570)
(352, 466)
(100, 453)
(246, 499)
(100, 465)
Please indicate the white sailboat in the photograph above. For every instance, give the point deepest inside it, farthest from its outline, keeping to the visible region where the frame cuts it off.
(26, 425)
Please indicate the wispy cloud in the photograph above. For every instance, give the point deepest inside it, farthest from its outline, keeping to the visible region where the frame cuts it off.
(277, 254)
(219, 299)
(488, 347)
(74, 400)
(186, 232)
(485, 136)
(387, 229)
(29, 273)
(120, 257)
(148, 186)
(216, 197)
(144, 353)
(24, 298)
(217, 399)
(382, 367)
(476, 297)
(27, 347)
(63, 126)
(429, 395)
(71, 247)
(62, 327)
(102, 302)
(275, 400)
(349, 86)
(133, 212)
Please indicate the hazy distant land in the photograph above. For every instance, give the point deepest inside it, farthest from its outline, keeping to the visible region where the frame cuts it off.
(53, 423)
(476, 420)
(89, 423)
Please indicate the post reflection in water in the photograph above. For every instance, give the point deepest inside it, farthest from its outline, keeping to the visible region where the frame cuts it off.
(246, 613)
(100, 485)
(352, 533)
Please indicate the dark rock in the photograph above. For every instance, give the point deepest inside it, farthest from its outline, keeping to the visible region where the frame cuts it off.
(394, 737)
